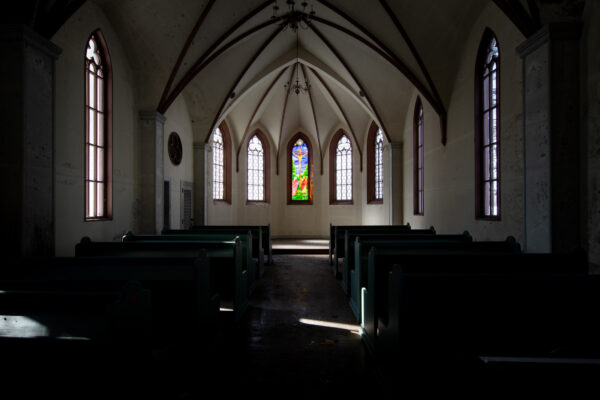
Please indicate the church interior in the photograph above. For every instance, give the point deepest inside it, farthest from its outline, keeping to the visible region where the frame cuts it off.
(472, 120)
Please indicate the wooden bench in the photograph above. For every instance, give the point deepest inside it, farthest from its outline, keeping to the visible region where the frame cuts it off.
(413, 234)
(462, 306)
(357, 272)
(224, 257)
(117, 302)
(248, 263)
(265, 232)
(339, 250)
(334, 229)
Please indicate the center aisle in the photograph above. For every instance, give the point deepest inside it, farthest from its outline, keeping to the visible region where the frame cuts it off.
(298, 338)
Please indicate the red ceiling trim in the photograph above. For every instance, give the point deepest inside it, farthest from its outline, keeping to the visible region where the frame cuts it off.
(337, 103)
(237, 160)
(287, 96)
(312, 106)
(239, 78)
(339, 57)
(163, 106)
(184, 50)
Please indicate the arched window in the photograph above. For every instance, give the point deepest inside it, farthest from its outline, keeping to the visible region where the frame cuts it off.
(300, 185)
(487, 132)
(340, 169)
(258, 169)
(418, 160)
(221, 163)
(98, 129)
(375, 165)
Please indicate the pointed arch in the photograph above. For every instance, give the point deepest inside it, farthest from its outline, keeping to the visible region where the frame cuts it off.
(303, 174)
(221, 163)
(374, 164)
(487, 128)
(340, 169)
(98, 129)
(258, 182)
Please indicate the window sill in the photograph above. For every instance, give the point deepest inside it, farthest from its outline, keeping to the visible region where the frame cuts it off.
(215, 201)
(341, 203)
(257, 203)
(98, 219)
(488, 218)
(300, 202)
(378, 201)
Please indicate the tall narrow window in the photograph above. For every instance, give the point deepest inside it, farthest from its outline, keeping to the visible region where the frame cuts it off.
(98, 135)
(218, 166)
(221, 163)
(256, 170)
(374, 165)
(487, 137)
(418, 160)
(300, 184)
(340, 169)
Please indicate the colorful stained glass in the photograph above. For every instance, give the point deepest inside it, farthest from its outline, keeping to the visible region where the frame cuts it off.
(300, 171)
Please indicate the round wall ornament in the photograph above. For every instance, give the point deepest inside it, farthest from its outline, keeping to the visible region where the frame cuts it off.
(175, 148)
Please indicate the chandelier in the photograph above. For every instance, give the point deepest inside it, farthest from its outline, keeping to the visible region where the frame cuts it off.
(297, 87)
(294, 18)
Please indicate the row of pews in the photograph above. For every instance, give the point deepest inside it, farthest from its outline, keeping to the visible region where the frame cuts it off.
(143, 294)
(422, 297)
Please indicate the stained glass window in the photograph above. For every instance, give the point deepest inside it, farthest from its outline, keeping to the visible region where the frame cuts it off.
(343, 169)
(256, 170)
(96, 141)
(489, 142)
(418, 156)
(379, 165)
(300, 171)
(218, 165)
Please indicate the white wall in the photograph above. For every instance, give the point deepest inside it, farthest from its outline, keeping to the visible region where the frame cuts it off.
(70, 128)
(449, 170)
(178, 120)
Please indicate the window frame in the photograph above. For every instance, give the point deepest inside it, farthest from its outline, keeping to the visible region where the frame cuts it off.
(335, 140)
(480, 194)
(418, 159)
(290, 145)
(266, 168)
(107, 98)
(371, 159)
(227, 148)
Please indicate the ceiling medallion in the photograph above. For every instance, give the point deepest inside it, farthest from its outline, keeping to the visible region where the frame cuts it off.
(175, 148)
(294, 18)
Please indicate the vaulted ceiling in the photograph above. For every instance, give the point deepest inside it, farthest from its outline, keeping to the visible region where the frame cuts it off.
(230, 60)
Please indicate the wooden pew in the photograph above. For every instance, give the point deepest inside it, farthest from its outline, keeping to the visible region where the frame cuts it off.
(413, 234)
(225, 259)
(265, 231)
(340, 238)
(358, 275)
(461, 306)
(333, 229)
(248, 263)
(115, 302)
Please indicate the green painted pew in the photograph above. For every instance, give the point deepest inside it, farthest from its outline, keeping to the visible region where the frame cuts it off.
(224, 257)
(463, 306)
(357, 273)
(110, 301)
(248, 262)
(265, 231)
(340, 238)
(351, 235)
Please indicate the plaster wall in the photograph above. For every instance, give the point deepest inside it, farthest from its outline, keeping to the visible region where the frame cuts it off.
(591, 127)
(70, 226)
(449, 170)
(178, 120)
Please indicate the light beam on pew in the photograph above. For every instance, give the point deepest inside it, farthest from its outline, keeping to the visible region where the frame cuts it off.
(335, 325)
(20, 326)
(225, 309)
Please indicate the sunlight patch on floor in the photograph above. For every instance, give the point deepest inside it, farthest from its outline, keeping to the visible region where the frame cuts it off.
(327, 324)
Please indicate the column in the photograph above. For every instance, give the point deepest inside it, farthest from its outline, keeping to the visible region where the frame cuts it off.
(200, 149)
(152, 138)
(27, 79)
(551, 138)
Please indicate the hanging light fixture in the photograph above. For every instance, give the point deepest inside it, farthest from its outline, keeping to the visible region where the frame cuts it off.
(294, 19)
(297, 87)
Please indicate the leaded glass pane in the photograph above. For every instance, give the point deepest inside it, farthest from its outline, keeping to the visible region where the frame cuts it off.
(379, 165)
(256, 170)
(343, 181)
(218, 165)
(300, 171)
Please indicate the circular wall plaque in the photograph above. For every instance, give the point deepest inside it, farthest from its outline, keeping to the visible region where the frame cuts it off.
(175, 148)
